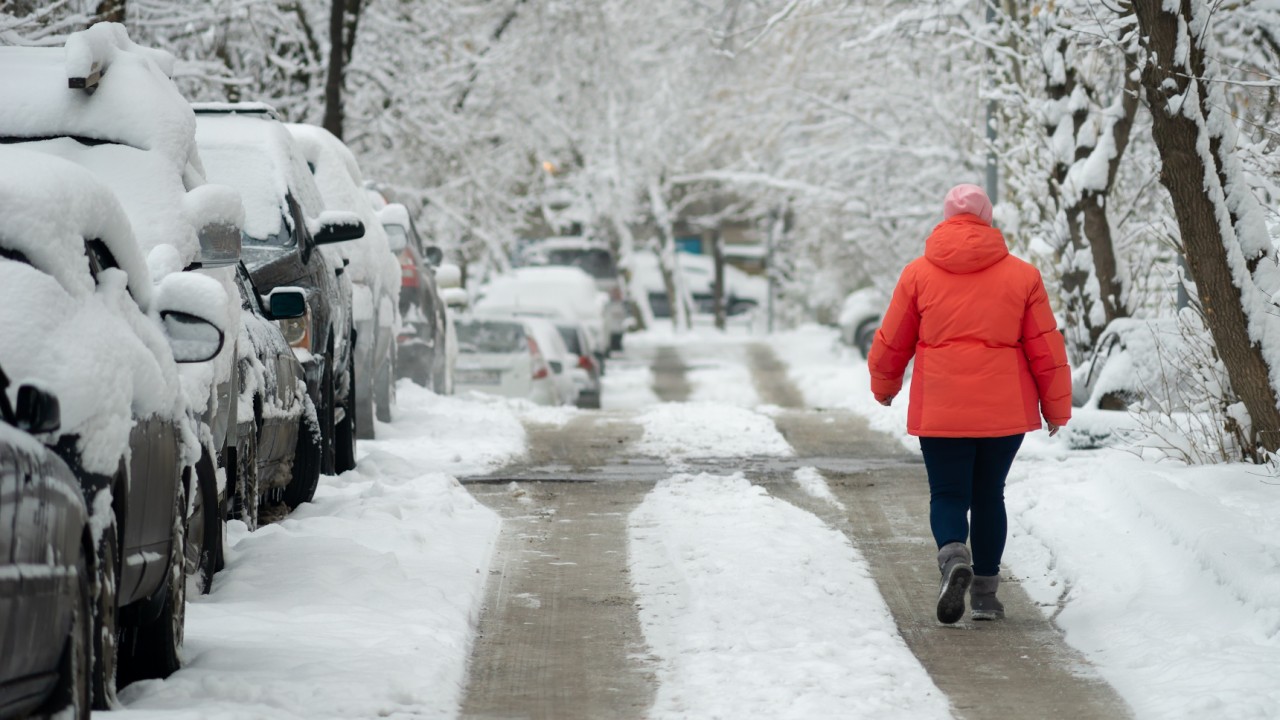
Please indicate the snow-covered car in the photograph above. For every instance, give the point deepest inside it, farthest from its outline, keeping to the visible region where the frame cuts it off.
(586, 371)
(597, 260)
(285, 225)
(548, 340)
(553, 293)
(499, 356)
(743, 293)
(860, 318)
(373, 270)
(109, 105)
(47, 567)
(422, 354)
(277, 433)
(81, 319)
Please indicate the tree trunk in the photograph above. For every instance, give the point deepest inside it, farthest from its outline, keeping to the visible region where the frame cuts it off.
(1178, 91)
(110, 11)
(717, 289)
(344, 20)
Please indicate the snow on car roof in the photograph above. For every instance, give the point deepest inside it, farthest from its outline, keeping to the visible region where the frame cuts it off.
(342, 186)
(261, 160)
(566, 242)
(135, 104)
(51, 207)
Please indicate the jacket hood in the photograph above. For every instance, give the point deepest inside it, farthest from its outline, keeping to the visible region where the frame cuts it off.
(965, 244)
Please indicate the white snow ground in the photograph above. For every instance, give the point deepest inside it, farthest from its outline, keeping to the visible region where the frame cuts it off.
(757, 609)
(1164, 575)
(361, 604)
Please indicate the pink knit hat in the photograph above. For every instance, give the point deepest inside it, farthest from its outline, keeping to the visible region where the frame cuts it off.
(967, 199)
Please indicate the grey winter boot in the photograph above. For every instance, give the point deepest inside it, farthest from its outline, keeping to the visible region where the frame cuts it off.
(983, 604)
(957, 573)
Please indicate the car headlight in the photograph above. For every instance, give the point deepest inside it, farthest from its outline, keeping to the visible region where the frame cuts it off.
(297, 331)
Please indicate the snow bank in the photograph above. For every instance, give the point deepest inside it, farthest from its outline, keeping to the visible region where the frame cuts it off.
(679, 431)
(722, 381)
(627, 386)
(758, 609)
(361, 604)
(456, 435)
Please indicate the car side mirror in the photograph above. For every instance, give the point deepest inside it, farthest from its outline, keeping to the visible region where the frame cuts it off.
(455, 297)
(337, 226)
(37, 411)
(448, 276)
(193, 339)
(286, 303)
(219, 245)
(434, 255)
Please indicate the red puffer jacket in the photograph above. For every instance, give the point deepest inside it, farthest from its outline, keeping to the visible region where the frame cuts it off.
(989, 357)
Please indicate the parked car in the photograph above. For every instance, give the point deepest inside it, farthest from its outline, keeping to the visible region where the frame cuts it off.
(597, 260)
(373, 270)
(271, 451)
(547, 338)
(558, 293)
(80, 318)
(498, 355)
(47, 567)
(109, 106)
(586, 371)
(743, 293)
(285, 224)
(422, 354)
(860, 318)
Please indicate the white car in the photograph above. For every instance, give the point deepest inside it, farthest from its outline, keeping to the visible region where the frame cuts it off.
(498, 355)
(373, 269)
(559, 359)
(596, 259)
(553, 293)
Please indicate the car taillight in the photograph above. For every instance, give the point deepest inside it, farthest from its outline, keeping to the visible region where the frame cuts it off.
(540, 369)
(408, 270)
(586, 363)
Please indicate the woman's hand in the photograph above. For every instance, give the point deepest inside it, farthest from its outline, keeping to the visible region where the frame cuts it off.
(1053, 429)
(885, 400)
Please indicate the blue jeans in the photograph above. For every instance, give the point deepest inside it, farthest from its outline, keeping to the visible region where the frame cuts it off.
(966, 476)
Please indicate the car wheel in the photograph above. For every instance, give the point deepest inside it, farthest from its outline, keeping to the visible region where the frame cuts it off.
(153, 649)
(204, 534)
(363, 404)
(615, 342)
(248, 490)
(105, 646)
(346, 432)
(306, 465)
(71, 696)
(325, 414)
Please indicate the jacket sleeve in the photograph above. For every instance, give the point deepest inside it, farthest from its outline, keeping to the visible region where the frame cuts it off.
(895, 340)
(1047, 356)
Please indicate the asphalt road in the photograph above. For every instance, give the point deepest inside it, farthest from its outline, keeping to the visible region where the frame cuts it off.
(559, 637)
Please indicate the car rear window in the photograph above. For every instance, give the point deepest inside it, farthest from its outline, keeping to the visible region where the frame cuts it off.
(570, 335)
(597, 262)
(489, 336)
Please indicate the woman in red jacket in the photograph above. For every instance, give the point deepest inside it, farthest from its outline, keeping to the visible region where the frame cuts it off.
(989, 362)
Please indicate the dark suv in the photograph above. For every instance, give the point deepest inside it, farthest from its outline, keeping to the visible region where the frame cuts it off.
(253, 153)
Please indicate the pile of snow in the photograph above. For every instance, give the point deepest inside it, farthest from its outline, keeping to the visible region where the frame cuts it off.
(757, 609)
(457, 435)
(362, 603)
(722, 381)
(679, 431)
(627, 386)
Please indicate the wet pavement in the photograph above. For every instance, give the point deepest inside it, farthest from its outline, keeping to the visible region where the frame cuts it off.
(559, 637)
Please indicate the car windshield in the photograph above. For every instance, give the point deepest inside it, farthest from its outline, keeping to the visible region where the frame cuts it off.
(570, 335)
(489, 336)
(397, 238)
(597, 262)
